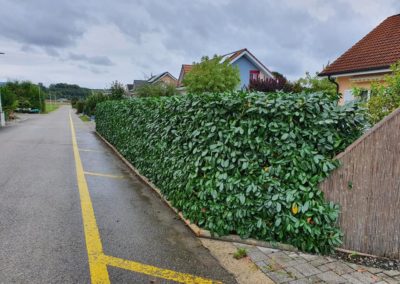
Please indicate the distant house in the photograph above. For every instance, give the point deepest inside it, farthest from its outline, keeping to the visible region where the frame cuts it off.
(163, 78)
(368, 60)
(249, 67)
(136, 84)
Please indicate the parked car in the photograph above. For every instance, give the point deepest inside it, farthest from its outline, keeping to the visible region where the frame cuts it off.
(28, 110)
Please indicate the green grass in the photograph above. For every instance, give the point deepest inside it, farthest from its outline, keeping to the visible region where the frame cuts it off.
(240, 253)
(84, 118)
(51, 107)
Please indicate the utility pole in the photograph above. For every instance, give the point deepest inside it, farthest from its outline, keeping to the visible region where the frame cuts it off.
(2, 117)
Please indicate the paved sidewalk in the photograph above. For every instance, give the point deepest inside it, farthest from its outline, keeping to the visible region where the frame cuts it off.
(295, 268)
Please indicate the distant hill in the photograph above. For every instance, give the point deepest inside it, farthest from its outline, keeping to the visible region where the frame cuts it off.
(68, 91)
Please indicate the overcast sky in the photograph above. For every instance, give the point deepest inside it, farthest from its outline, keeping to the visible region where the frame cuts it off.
(94, 42)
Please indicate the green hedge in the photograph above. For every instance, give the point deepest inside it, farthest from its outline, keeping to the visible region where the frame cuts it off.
(243, 163)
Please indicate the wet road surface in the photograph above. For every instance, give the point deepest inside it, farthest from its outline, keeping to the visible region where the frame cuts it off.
(44, 210)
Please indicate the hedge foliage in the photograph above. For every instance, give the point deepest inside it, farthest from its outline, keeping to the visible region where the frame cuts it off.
(244, 163)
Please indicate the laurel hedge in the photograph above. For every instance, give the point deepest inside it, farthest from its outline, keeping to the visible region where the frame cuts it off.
(242, 163)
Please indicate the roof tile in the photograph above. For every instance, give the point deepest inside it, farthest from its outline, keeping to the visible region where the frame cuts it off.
(377, 50)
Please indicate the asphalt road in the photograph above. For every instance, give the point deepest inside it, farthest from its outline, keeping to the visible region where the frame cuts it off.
(42, 239)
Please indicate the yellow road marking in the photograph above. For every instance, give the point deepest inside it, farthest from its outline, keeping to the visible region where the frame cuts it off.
(98, 269)
(156, 272)
(103, 175)
(98, 261)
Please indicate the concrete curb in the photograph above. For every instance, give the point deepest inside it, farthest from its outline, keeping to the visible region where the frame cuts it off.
(193, 227)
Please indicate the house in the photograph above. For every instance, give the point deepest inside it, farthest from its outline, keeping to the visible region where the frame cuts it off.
(162, 78)
(136, 84)
(367, 61)
(165, 78)
(249, 67)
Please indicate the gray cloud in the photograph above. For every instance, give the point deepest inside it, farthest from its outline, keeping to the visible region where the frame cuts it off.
(143, 37)
(51, 51)
(42, 23)
(96, 60)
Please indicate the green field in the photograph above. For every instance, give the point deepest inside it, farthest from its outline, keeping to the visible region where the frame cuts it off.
(51, 107)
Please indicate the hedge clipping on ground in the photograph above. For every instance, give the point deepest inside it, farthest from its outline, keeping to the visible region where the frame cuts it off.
(242, 163)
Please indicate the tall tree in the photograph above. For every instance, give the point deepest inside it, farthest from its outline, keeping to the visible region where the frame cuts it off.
(312, 84)
(118, 90)
(212, 75)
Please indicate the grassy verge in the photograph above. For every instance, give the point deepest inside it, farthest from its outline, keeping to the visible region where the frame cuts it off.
(84, 118)
(51, 107)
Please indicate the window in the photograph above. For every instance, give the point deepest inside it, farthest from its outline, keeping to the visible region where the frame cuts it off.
(254, 74)
(348, 96)
(365, 95)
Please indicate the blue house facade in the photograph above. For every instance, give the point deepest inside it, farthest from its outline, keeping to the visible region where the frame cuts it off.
(245, 67)
(249, 67)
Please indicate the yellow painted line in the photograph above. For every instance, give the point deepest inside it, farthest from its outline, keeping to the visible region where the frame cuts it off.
(104, 175)
(98, 269)
(156, 272)
(98, 261)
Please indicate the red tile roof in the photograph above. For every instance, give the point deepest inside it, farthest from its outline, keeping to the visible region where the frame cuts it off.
(187, 67)
(377, 50)
(184, 70)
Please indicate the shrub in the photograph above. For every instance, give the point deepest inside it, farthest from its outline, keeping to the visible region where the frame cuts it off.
(27, 94)
(9, 100)
(80, 106)
(212, 75)
(245, 163)
(91, 102)
(156, 90)
(267, 84)
(385, 97)
(74, 101)
(280, 83)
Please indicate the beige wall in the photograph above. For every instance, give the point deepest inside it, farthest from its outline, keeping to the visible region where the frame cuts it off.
(168, 80)
(360, 81)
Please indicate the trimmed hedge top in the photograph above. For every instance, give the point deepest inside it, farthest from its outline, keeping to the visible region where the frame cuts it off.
(244, 163)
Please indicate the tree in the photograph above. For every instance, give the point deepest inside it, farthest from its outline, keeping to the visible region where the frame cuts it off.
(156, 90)
(9, 100)
(68, 91)
(90, 103)
(117, 91)
(385, 97)
(212, 75)
(313, 84)
(28, 95)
